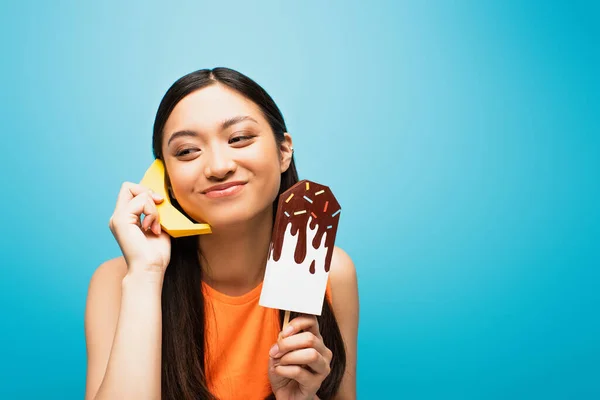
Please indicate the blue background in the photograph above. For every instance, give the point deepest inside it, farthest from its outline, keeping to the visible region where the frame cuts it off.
(461, 138)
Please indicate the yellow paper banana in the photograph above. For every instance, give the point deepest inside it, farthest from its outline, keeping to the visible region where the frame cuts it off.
(171, 219)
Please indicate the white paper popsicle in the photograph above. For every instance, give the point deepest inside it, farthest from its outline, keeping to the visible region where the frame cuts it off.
(301, 249)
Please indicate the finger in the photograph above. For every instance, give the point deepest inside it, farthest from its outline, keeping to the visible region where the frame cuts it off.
(151, 217)
(303, 340)
(151, 214)
(307, 323)
(155, 220)
(301, 375)
(156, 227)
(273, 362)
(141, 204)
(309, 357)
(130, 190)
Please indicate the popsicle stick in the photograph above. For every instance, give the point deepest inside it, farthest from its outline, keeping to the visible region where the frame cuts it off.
(286, 320)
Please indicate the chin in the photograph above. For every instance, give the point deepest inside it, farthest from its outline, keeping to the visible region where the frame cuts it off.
(236, 213)
(233, 218)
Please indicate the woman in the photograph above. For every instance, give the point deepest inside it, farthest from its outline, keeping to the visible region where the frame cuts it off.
(179, 318)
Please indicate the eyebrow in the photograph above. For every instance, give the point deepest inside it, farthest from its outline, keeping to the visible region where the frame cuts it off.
(224, 125)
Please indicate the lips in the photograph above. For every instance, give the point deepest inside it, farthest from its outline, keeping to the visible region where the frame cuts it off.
(225, 189)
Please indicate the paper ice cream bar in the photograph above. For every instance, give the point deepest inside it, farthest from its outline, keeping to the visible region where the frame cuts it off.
(301, 249)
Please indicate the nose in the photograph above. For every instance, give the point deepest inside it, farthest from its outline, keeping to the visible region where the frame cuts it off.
(219, 164)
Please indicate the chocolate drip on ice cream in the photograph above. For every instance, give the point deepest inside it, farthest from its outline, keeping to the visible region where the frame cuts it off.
(306, 201)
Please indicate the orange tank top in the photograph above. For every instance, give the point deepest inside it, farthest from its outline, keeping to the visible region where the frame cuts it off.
(239, 334)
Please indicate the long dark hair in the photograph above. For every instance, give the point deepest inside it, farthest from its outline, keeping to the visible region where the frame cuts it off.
(183, 333)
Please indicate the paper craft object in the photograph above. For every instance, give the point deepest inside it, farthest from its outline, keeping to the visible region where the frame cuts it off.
(172, 220)
(301, 249)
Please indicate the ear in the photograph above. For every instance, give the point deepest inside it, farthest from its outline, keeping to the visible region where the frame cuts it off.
(286, 151)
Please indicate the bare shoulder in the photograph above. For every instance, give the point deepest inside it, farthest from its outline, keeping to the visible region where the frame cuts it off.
(101, 316)
(344, 293)
(342, 273)
(109, 271)
(344, 286)
(104, 292)
(104, 297)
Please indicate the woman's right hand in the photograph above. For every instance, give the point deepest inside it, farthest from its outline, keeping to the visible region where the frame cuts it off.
(145, 246)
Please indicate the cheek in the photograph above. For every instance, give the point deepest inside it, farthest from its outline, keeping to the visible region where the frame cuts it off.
(269, 163)
(267, 169)
(274, 180)
(183, 180)
(263, 157)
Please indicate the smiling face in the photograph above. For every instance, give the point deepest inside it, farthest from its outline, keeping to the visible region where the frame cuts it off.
(221, 157)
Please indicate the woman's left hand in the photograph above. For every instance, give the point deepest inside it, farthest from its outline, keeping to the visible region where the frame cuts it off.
(299, 362)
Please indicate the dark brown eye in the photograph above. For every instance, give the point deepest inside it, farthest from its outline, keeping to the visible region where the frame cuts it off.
(185, 152)
(239, 139)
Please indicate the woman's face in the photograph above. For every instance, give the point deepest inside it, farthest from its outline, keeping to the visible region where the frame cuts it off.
(214, 137)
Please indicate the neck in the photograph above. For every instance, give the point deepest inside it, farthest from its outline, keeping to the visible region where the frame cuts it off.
(233, 259)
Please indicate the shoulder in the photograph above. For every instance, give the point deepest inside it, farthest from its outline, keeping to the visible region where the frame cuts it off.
(344, 285)
(109, 271)
(104, 290)
(101, 315)
(342, 273)
(104, 298)
(344, 293)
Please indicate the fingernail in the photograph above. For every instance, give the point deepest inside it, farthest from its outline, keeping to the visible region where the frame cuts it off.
(274, 350)
(288, 330)
(157, 196)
